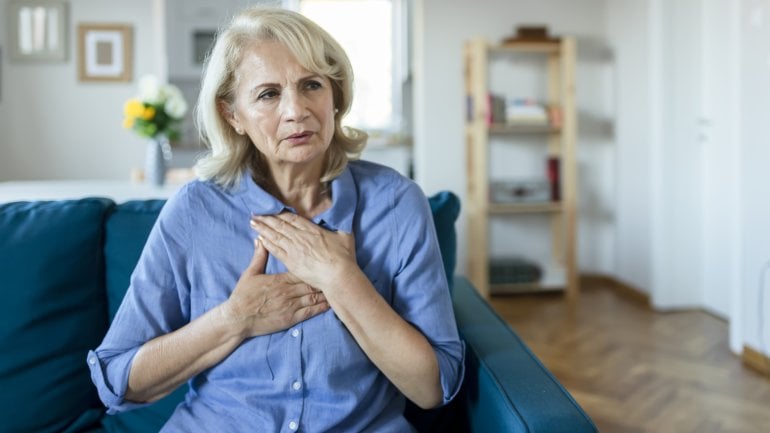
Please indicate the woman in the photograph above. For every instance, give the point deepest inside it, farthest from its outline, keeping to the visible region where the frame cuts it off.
(291, 289)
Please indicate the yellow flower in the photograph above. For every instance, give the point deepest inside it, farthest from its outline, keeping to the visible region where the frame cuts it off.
(128, 122)
(148, 113)
(133, 108)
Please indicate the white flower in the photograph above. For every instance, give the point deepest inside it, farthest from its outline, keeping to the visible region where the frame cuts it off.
(176, 106)
(149, 89)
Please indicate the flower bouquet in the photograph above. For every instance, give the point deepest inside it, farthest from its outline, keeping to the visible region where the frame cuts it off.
(158, 109)
(156, 113)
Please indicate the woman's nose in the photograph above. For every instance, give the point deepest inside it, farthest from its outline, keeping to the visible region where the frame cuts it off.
(294, 106)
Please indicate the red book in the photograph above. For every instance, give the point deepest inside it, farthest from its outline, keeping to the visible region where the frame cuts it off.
(554, 177)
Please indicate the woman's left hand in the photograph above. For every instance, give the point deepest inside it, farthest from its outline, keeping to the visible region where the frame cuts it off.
(319, 257)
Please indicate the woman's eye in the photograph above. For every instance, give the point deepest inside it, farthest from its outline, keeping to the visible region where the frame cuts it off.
(267, 94)
(312, 85)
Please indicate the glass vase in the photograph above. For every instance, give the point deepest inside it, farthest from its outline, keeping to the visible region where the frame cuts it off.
(156, 160)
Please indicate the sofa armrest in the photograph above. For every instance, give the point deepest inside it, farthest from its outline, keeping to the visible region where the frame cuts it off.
(506, 387)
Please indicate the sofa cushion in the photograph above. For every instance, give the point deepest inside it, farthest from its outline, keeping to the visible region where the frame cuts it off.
(128, 227)
(445, 206)
(53, 310)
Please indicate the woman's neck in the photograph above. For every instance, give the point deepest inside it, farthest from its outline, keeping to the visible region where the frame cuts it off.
(301, 190)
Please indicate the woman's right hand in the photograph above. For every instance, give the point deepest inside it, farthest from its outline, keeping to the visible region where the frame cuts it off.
(262, 304)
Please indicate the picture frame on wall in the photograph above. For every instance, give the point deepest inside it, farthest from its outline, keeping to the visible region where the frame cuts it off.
(105, 52)
(202, 41)
(37, 30)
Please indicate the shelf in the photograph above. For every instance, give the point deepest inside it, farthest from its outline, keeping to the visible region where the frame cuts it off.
(523, 128)
(522, 288)
(527, 47)
(553, 279)
(519, 208)
(555, 63)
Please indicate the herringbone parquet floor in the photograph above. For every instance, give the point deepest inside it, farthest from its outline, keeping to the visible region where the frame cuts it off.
(635, 370)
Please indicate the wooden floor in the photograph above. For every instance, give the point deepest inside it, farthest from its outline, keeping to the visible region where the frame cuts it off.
(635, 370)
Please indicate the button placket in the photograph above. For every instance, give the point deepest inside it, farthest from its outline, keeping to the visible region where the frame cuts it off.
(296, 385)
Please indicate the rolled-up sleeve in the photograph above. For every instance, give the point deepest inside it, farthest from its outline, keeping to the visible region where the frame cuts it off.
(421, 291)
(156, 303)
(112, 389)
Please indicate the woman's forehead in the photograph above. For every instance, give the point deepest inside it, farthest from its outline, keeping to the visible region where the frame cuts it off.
(271, 61)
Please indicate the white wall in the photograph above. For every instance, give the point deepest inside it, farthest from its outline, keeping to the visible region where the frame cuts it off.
(755, 162)
(628, 25)
(54, 127)
(441, 28)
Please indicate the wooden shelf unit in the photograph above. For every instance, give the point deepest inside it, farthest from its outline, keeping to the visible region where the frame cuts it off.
(561, 141)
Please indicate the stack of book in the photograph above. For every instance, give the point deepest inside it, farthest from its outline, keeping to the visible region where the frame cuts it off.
(525, 111)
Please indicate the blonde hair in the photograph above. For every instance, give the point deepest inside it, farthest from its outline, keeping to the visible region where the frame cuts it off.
(230, 153)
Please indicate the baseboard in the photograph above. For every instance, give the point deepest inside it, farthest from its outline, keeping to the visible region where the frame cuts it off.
(756, 360)
(630, 292)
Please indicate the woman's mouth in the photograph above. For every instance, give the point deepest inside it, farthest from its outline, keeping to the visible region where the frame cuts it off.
(300, 137)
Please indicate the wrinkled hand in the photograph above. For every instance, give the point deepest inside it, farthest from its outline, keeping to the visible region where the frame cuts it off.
(319, 257)
(263, 304)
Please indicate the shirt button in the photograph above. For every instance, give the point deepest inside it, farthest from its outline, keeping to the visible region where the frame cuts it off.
(296, 385)
(293, 426)
(295, 333)
(92, 360)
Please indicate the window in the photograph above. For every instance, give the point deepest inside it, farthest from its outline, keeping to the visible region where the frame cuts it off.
(374, 35)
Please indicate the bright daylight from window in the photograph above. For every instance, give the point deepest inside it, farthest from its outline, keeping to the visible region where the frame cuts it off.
(365, 31)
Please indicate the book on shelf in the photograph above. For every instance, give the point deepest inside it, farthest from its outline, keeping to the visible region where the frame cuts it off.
(554, 177)
(518, 111)
(525, 111)
(555, 118)
(520, 191)
(495, 109)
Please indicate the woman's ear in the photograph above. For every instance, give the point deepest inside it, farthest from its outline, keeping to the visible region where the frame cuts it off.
(227, 113)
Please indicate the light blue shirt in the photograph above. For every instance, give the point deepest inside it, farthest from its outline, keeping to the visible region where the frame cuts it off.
(313, 376)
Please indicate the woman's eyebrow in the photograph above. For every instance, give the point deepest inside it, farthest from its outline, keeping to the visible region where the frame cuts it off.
(260, 86)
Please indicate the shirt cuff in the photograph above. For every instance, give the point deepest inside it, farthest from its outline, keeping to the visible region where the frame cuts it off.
(110, 375)
(451, 371)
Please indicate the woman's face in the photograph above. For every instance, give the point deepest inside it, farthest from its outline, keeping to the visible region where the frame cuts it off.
(286, 110)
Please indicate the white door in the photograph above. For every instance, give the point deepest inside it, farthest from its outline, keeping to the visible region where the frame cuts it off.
(716, 135)
(696, 238)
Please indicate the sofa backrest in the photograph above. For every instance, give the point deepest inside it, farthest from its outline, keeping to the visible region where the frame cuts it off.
(53, 310)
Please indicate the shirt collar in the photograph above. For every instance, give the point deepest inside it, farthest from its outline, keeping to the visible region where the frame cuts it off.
(338, 217)
(344, 203)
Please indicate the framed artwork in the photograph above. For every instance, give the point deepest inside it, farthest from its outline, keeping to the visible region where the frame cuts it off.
(105, 52)
(37, 30)
(202, 42)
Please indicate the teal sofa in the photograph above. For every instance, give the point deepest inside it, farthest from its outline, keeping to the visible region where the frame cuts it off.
(65, 265)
